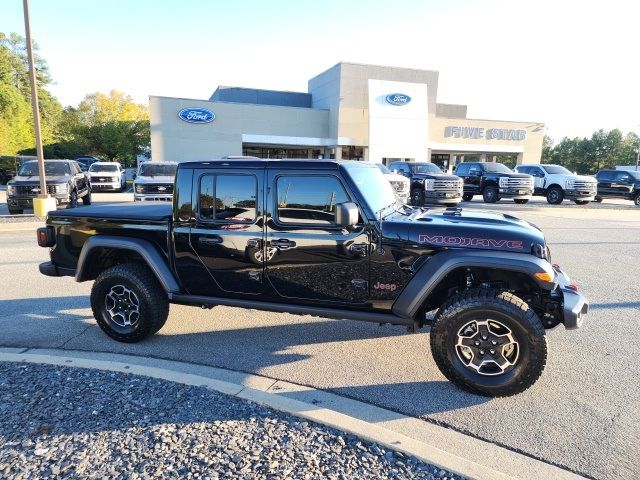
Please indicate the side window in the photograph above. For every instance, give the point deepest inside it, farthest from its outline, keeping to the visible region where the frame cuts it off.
(228, 198)
(306, 199)
(474, 169)
(463, 169)
(521, 169)
(622, 177)
(536, 172)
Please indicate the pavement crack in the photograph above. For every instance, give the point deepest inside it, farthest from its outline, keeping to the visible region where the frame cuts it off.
(64, 344)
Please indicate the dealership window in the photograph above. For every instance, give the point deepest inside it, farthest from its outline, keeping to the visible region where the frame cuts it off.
(304, 199)
(228, 198)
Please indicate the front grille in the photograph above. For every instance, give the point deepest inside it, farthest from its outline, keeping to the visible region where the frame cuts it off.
(159, 188)
(104, 179)
(27, 190)
(584, 185)
(448, 185)
(399, 186)
(510, 182)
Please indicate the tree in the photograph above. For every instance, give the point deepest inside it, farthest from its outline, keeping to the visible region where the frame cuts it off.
(109, 125)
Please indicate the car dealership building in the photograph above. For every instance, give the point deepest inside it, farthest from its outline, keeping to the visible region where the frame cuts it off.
(351, 111)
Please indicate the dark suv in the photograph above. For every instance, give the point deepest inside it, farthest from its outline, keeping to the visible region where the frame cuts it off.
(623, 184)
(494, 181)
(429, 184)
(65, 181)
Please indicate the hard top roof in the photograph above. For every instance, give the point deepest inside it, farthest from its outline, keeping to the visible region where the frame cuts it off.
(305, 163)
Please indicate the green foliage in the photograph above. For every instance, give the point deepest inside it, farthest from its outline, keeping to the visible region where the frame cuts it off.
(603, 149)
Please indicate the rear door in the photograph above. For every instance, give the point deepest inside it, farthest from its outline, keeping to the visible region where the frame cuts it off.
(539, 180)
(227, 232)
(605, 178)
(307, 255)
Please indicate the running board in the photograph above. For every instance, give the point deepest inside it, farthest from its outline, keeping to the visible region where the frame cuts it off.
(336, 313)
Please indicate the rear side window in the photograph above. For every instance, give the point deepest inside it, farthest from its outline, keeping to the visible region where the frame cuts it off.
(605, 176)
(622, 177)
(228, 198)
(309, 200)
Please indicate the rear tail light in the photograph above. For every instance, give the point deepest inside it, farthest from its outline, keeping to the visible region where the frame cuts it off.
(46, 237)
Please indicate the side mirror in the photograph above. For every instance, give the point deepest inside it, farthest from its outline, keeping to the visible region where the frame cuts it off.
(346, 214)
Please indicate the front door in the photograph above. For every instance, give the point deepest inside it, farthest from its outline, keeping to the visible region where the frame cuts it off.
(227, 233)
(308, 256)
(622, 184)
(604, 183)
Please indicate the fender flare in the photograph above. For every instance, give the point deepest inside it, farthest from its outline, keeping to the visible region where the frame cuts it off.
(149, 252)
(434, 270)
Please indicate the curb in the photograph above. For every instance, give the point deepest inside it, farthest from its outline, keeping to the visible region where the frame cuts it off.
(429, 443)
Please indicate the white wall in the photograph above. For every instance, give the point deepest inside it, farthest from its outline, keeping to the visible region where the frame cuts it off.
(398, 131)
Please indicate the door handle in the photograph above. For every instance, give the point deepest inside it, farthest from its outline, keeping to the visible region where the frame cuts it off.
(283, 244)
(210, 240)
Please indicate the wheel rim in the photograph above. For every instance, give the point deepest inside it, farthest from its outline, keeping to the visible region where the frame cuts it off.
(637, 201)
(553, 196)
(487, 347)
(490, 194)
(122, 306)
(416, 197)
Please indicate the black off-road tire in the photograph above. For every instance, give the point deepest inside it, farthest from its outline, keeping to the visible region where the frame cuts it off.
(506, 308)
(417, 197)
(152, 299)
(490, 194)
(86, 200)
(555, 196)
(598, 199)
(467, 197)
(520, 201)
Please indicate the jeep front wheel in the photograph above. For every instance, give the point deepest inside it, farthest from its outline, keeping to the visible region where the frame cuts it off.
(129, 303)
(489, 342)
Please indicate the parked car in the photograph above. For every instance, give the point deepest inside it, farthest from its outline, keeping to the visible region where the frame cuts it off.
(623, 184)
(85, 161)
(429, 184)
(343, 246)
(9, 166)
(399, 183)
(66, 182)
(154, 181)
(557, 183)
(107, 176)
(494, 181)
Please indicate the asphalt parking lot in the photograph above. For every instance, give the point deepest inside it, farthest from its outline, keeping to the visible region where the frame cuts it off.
(583, 414)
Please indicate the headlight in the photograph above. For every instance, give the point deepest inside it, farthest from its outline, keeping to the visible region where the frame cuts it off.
(503, 181)
(429, 184)
(11, 190)
(139, 188)
(62, 188)
(114, 179)
(568, 184)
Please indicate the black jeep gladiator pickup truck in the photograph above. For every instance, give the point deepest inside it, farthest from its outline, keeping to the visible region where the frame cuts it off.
(326, 238)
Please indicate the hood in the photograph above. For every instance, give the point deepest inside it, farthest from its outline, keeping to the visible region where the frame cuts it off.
(584, 178)
(35, 180)
(509, 174)
(158, 179)
(464, 229)
(436, 176)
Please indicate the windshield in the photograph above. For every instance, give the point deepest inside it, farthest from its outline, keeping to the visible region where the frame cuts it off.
(556, 169)
(496, 167)
(424, 168)
(30, 169)
(157, 170)
(375, 188)
(383, 168)
(103, 168)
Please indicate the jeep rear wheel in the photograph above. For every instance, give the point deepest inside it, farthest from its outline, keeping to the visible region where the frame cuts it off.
(489, 342)
(129, 303)
(490, 194)
(555, 195)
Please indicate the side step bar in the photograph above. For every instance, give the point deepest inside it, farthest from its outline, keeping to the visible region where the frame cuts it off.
(336, 313)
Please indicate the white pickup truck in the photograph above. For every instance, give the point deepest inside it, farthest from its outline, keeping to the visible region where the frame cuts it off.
(557, 183)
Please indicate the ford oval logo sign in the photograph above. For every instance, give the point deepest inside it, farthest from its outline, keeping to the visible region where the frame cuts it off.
(398, 99)
(196, 115)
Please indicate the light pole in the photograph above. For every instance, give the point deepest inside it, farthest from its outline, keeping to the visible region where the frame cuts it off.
(42, 204)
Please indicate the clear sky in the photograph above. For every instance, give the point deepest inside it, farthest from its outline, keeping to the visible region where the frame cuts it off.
(573, 65)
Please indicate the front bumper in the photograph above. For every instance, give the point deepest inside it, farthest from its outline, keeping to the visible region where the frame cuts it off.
(574, 305)
(443, 196)
(50, 269)
(587, 195)
(142, 197)
(111, 186)
(27, 202)
(518, 193)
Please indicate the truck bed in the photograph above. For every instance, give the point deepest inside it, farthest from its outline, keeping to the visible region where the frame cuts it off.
(120, 211)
